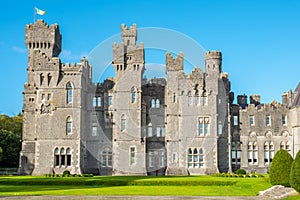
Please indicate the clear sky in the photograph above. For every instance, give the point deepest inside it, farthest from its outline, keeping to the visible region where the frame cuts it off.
(259, 39)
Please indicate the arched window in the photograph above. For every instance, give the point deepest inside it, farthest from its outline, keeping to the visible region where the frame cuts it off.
(62, 156)
(157, 103)
(41, 79)
(133, 95)
(190, 158)
(153, 103)
(201, 158)
(69, 126)
(149, 130)
(268, 152)
(69, 93)
(195, 158)
(56, 157)
(285, 146)
(123, 123)
(49, 78)
(68, 152)
(252, 153)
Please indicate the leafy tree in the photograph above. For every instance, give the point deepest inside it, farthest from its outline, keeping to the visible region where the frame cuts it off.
(1, 151)
(295, 173)
(13, 124)
(11, 146)
(281, 168)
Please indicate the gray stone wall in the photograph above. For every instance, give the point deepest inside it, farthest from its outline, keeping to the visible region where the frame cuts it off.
(196, 128)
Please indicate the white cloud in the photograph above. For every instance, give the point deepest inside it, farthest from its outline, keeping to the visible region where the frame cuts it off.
(18, 49)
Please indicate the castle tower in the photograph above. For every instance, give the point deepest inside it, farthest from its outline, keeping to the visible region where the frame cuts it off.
(39, 36)
(55, 105)
(127, 56)
(126, 103)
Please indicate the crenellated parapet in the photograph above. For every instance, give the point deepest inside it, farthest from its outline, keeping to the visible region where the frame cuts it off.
(129, 35)
(44, 37)
(213, 55)
(273, 106)
(174, 64)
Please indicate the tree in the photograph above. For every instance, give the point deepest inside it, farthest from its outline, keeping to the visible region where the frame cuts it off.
(281, 168)
(295, 173)
(11, 146)
(13, 124)
(1, 151)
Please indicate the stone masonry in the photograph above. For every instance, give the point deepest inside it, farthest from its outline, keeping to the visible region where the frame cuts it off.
(128, 125)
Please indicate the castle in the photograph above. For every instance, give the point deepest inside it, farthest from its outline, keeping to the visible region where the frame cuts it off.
(127, 125)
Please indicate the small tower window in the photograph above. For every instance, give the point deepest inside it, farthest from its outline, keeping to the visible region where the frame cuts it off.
(69, 93)
(133, 95)
(157, 103)
(110, 100)
(153, 103)
(41, 79)
(123, 123)
(49, 78)
(284, 120)
(69, 126)
(268, 120)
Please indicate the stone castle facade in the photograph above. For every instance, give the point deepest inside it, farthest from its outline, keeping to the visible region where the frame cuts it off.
(127, 125)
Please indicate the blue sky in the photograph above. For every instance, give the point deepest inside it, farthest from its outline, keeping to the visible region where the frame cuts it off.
(259, 40)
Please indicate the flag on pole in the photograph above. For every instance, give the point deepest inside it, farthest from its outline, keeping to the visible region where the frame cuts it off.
(39, 11)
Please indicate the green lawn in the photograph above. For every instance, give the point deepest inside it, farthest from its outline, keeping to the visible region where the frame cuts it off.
(178, 186)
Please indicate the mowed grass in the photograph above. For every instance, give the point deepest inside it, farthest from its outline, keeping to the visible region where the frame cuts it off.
(133, 185)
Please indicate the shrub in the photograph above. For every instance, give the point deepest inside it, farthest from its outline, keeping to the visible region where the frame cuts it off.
(281, 168)
(240, 171)
(66, 172)
(295, 173)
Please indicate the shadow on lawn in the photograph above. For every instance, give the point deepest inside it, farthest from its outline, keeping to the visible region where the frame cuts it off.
(110, 181)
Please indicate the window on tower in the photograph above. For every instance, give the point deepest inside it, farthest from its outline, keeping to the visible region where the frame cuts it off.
(69, 93)
(203, 126)
(123, 123)
(69, 126)
(133, 95)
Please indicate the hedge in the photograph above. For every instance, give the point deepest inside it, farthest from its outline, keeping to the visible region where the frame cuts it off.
(295, 173)
(281, 168)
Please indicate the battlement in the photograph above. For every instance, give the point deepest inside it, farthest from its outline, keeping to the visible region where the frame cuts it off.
(71, 66)
(42, 36)
(174, 64)
(157, 81)
(213, 55)
(125, 28)
(129, 36)
(196, 73)
(264, 107)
